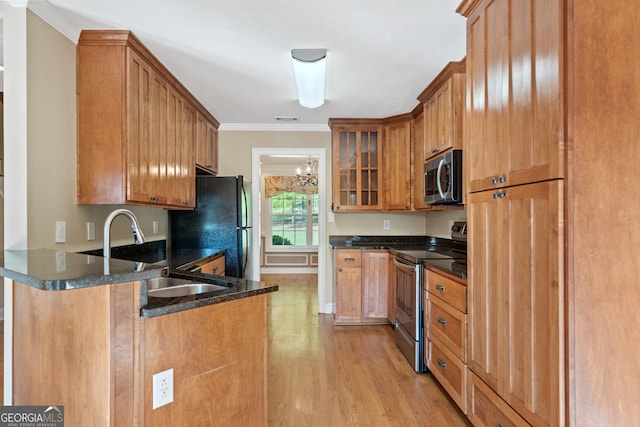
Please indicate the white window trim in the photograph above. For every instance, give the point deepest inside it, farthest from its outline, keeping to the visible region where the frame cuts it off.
(269, 233)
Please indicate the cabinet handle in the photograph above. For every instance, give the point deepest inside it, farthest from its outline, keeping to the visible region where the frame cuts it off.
(215, 269)
(153, 198)
(442, 364)
(442, 321)
(499, 194)
(499, 425)
(440, 288)
(434, 151)
(349, 259)
(340, 269)
(499, 179)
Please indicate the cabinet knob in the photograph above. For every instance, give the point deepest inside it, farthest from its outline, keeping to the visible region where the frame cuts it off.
(340, 269)
(442, 364)
(215, 269)
(442, 321)
(440, 288)
(434, 151)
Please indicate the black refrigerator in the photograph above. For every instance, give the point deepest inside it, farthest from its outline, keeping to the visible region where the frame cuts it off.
(221, 220)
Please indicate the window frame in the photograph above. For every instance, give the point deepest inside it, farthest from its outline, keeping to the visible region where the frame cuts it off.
(292, 248)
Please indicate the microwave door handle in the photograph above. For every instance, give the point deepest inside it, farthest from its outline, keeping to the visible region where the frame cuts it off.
(440, 166)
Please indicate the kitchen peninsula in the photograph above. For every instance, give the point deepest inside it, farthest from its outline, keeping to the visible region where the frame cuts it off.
(92, 342)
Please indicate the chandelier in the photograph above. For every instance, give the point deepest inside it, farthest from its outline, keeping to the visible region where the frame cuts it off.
(308, 175)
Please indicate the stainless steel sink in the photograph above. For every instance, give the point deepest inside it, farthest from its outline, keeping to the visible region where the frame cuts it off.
(170, 287)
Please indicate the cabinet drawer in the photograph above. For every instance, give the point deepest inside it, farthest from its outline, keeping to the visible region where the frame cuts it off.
(448, 325)
(349, 258)
(217, 266)
(448, 290)
(449, 371)
(486, 408)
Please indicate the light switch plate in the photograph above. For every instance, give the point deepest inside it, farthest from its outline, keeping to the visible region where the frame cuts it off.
(61, 231)
(91, 230)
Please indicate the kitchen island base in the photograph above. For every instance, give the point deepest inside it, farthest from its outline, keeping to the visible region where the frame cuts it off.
(90, 351)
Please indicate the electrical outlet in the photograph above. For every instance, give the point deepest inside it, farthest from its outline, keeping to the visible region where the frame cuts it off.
(386, 224)
(162, 388)
(61, 231)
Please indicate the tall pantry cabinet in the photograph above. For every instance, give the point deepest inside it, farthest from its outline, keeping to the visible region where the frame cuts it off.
(552, 129)
(515, 177)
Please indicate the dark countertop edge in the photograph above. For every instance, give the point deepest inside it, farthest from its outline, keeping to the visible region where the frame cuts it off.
(439, 269)
(386, 242)
(82, 282)
(217, 299)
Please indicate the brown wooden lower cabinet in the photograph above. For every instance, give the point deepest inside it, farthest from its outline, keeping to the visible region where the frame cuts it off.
(216, 266)
(486, 408)
(90, 351)
(445, 324)
(449, 370)
(361, 286)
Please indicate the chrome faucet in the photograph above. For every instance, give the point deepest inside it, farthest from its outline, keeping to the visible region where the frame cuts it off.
(137, 233)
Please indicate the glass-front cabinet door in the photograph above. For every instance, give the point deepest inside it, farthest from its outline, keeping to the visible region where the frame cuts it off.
(356, 167)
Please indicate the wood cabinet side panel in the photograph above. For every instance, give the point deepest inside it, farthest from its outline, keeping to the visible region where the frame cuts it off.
(63, 352)
(101, 152)
(219, 365)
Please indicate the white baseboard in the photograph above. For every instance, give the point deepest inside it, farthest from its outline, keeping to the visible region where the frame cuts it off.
(329, 308)
(276, 270)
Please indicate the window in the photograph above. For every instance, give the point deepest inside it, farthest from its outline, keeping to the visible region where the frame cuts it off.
(294, 220)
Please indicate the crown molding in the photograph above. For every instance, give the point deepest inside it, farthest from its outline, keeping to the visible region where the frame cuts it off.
(273, 127)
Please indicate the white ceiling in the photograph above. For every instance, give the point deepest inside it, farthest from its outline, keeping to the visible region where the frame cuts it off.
(234, 56)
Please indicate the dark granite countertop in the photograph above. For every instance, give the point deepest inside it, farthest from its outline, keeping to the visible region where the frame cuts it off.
(236, 289)
(433, 252)
(52, 270)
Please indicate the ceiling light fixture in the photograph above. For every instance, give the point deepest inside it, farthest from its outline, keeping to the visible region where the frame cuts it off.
(308, 174)
(309, 68)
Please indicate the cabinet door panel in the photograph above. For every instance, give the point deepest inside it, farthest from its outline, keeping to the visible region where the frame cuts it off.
(515, 296)
(397, 170)
(348, 294)
(535, 293)
(357, 177)
(139, 178)
(376, 287)
(487, 336)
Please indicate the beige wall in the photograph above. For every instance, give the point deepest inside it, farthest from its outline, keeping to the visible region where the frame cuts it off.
(51, 136)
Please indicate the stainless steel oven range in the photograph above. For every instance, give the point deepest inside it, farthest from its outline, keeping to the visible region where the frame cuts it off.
(409, 276)
(409, 334)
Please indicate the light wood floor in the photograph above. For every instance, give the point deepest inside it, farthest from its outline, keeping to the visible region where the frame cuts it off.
(326, 375)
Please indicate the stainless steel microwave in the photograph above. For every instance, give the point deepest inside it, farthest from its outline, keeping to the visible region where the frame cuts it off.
(443, 179)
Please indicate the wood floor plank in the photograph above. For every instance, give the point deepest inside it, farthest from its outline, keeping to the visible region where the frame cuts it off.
(326, 375)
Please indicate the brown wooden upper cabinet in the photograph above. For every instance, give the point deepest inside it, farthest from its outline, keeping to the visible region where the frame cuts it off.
(357, 172)
(206, 143)
(136, 125)
(397, 163)
(515, 103)
(443, 103)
